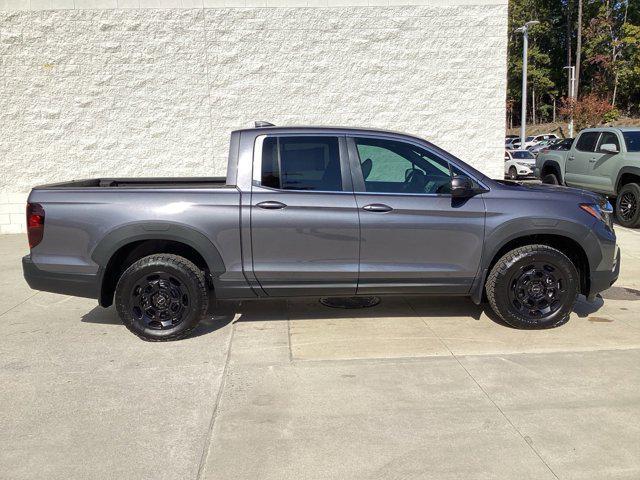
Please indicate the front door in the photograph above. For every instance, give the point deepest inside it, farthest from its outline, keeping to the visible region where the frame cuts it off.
(604, 167)
(415, 238)
(580, 159)
(304, 221)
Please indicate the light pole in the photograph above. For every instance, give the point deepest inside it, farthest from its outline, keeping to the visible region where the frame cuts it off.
(525, 47)
(572, 88)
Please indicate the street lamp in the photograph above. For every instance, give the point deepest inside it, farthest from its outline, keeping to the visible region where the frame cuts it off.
(572, 85)
(525, 46)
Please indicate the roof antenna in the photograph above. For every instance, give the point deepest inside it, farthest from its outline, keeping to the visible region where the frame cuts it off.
(262, 124)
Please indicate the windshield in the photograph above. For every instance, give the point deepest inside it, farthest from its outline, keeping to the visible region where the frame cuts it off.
(528, 139)
(632, 139)
(522, 155)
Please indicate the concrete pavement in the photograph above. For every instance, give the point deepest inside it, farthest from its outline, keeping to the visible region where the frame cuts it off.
(412, 388)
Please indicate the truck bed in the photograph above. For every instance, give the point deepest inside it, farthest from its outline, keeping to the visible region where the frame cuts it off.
(150, 182)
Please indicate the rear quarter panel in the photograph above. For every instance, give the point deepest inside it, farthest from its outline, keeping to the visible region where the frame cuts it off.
(77, 222)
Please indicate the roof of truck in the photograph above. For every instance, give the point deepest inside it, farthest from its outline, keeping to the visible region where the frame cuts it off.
(332, 128)
(621, 128)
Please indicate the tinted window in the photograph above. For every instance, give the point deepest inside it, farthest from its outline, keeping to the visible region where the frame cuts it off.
(632, 140)
(522, 155)
(562, 145)
(396, 167)
(301, 163)
(587, 141)
(609, 137)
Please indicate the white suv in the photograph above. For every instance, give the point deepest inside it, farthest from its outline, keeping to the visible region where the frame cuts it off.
(518, 163)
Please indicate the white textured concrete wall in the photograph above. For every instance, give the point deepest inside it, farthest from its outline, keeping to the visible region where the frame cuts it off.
(147, 92)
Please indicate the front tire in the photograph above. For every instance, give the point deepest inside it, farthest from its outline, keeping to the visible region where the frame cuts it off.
(533, 287)
(513, 173)
(162, 297)
(628, 205)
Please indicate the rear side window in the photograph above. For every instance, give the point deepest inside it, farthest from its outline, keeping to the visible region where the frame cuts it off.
(587, 141)
(632, 140)
(301, 163)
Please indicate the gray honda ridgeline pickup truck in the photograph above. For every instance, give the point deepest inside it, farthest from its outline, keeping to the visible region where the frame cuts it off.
(309, 211)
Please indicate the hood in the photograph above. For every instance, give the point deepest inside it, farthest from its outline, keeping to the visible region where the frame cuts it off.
(544, 189)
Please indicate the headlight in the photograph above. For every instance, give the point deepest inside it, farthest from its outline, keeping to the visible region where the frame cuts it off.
(603, 211)
(525, 164)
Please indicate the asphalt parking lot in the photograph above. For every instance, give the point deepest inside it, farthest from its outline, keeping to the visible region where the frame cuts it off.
(412, 388)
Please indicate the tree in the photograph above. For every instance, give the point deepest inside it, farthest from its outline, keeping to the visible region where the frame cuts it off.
(601, 38)
(589, 111)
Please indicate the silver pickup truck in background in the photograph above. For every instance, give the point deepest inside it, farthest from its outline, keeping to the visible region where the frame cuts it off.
(311, 211)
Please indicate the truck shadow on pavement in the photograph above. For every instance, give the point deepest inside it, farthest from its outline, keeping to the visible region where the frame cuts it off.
(223, 313)
(109, 316)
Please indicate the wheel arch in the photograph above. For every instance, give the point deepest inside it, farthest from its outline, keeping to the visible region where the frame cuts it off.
(563, 242)
(627, 175)
(122, 247)
(552, 166)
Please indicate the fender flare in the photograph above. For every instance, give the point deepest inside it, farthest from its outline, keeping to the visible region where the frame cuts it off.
(121, 236)
(623, 170)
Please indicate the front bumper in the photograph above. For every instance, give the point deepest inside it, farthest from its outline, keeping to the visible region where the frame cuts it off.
(603, 279)
(78, 285)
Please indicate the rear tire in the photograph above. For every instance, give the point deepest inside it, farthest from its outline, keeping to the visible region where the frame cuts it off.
(162, 297)
(628, 205)
(533, 287)
(551, 179)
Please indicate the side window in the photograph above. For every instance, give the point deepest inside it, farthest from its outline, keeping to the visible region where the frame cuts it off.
(609, 137)
(587, 142)
(301, 163)
(389, 166)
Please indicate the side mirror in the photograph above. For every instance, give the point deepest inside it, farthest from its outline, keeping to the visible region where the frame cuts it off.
(461, 186)
(608, 148)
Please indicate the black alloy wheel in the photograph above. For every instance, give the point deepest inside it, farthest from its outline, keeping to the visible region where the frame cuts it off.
(537, 290)
(533, 286)
(159, 300)
(627, 208)
(162, 297)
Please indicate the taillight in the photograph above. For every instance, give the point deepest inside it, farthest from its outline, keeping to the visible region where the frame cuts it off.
(35, 223)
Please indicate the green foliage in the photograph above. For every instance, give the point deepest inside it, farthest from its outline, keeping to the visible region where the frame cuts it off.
(610, 60)
(611, 116)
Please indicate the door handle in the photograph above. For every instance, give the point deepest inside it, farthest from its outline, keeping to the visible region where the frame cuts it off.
(593, 160)
(271, 205)
(377, 207)
(571, 158)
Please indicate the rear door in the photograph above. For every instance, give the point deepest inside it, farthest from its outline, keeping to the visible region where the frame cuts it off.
(304, 220)
(579, 159)
(415, 238)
